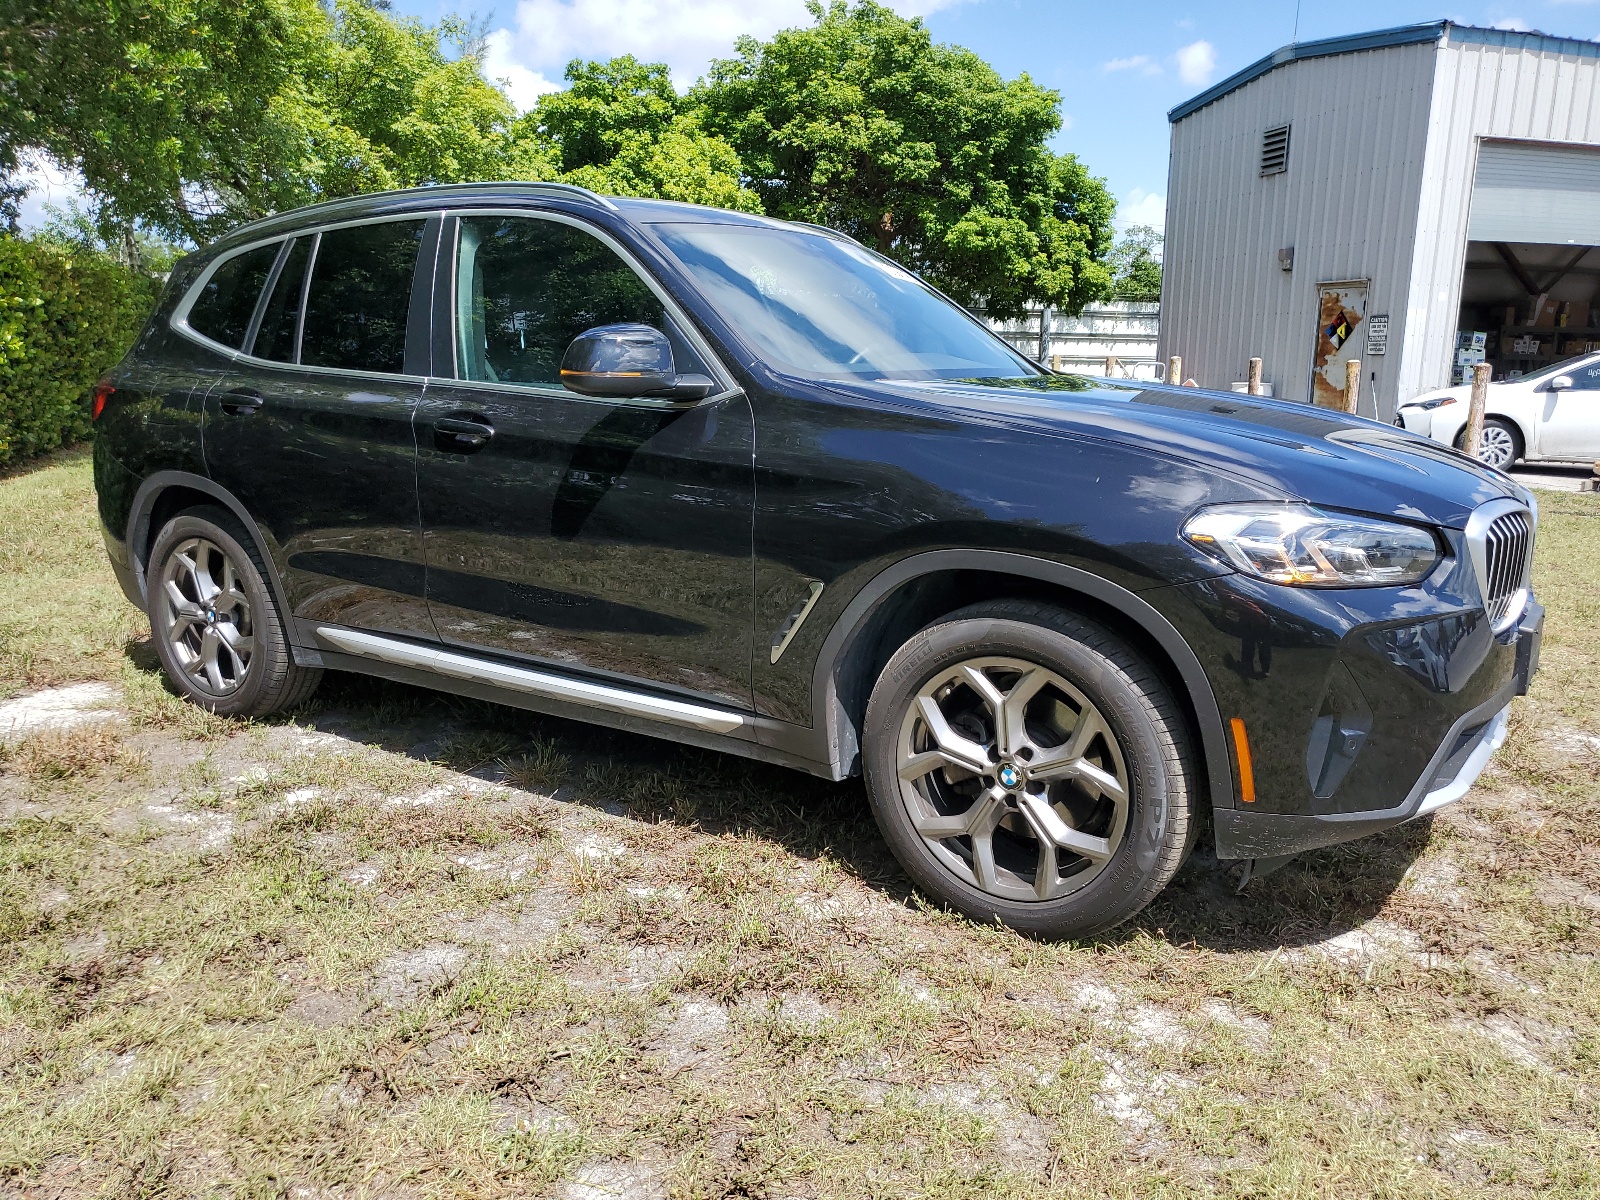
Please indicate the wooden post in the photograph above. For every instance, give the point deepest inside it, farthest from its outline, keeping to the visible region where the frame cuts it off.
(1473, 436)
(1111, 365)
(1255, 377)
(1175, 370)
(1352, 384)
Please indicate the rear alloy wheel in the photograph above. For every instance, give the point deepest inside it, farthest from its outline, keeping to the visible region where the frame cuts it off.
(205, 617)
(1025, 765)
(216, 623)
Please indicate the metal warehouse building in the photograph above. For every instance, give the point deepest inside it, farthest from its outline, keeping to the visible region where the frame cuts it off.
(1412, 198)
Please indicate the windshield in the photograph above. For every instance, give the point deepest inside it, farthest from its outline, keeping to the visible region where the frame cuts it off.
(817, 305)
(1561, 368)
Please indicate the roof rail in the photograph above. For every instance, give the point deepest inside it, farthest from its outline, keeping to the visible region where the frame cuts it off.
(567, 190)
(836, 234)
(561, 189)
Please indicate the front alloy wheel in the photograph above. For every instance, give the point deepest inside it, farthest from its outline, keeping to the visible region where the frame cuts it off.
(206, 618)
(1012, 778)
(1027, 765)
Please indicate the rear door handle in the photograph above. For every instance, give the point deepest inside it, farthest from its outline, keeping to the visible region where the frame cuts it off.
(240, 402)
(461, 435)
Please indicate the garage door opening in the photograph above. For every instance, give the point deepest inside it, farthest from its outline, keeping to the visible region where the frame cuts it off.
(1530, 294)
(1526, 306)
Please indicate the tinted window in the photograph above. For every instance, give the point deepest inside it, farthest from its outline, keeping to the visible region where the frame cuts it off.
(525, 288)
(360, 294)
(824, 306)
(1586, 377)
(223, 309)
(275, 338)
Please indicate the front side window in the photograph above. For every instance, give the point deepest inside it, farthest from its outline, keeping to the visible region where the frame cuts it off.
(525, 287)
(227, 301)
(818, 305)
(360, 296)
(1586, 376)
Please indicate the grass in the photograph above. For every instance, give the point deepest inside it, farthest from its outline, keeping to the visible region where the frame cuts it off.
(403, 945)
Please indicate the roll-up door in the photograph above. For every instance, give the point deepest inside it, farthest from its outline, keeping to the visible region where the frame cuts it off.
(1533, 192)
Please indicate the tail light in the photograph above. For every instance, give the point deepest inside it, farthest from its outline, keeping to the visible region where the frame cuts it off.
(102, 393)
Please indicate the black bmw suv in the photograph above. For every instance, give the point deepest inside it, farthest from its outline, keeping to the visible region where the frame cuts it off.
(747, 484)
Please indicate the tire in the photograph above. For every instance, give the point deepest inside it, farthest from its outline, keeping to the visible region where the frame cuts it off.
(1062, 777)
(1501, 444)
(215, 621)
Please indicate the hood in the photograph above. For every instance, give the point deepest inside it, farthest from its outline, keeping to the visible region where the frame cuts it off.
(1301, 452)
(1461, 391)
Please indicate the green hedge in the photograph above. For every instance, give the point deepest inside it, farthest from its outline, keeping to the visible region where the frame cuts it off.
(65, 318)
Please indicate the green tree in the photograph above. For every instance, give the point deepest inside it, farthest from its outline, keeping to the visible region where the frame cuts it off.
(863, 123)
(1135, 264)
(190, 116)
(621, 128)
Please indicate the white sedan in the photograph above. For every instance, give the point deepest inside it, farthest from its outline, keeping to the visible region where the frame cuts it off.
(1550, 416)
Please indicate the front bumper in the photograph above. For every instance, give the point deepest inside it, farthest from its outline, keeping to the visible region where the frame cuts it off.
(1454, 767)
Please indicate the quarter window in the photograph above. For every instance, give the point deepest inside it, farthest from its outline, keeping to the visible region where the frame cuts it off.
(360, 296)
(526, 287)
(223, 309)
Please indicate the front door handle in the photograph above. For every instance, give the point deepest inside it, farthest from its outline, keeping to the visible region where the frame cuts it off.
(240, 402)
(461, 435)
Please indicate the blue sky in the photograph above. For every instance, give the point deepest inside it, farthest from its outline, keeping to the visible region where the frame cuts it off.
(1118, 66)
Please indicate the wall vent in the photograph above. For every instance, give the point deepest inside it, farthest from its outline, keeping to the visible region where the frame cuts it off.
(1275, 151)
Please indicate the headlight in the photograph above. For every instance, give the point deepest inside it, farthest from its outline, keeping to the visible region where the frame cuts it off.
(1430, 405)
(1304, 546)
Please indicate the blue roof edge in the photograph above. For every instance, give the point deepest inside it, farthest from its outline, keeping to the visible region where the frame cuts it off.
(1405, 35)
(1378, 39)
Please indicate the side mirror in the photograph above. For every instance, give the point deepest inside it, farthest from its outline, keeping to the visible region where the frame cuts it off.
(1561, 383)
(627, 362)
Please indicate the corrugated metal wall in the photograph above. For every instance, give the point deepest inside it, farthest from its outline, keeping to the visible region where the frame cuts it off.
(1346, 204)
(1490, 84)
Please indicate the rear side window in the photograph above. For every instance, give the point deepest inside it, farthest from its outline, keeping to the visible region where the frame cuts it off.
(275, 338)
(223, 309)
(360, 296)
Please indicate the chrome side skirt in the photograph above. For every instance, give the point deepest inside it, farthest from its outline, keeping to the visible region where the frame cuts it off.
(535, 683)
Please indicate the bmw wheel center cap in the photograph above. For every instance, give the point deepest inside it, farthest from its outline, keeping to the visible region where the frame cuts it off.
(1010, 778)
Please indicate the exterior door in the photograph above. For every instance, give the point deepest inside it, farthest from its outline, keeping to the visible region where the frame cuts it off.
(311, 430)
(1341, 307)
(1571, 425)
(604, 535)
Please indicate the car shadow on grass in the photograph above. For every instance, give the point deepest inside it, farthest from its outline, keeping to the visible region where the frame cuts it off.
(1318, 895)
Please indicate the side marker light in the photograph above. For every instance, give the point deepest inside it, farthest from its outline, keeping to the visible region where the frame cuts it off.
(1247, 774)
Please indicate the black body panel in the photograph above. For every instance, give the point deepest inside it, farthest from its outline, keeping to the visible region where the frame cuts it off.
(605, 536)
(765, 547)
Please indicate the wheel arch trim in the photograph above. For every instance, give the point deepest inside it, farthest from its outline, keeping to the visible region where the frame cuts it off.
(140, 532)
(830, 720)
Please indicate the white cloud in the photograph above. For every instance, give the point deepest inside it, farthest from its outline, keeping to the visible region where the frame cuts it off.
(1139, 207)
(1197, 62)
(1142, 63)
(47, 184)
(1513, 24)
(545, 35)
(521, 85)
